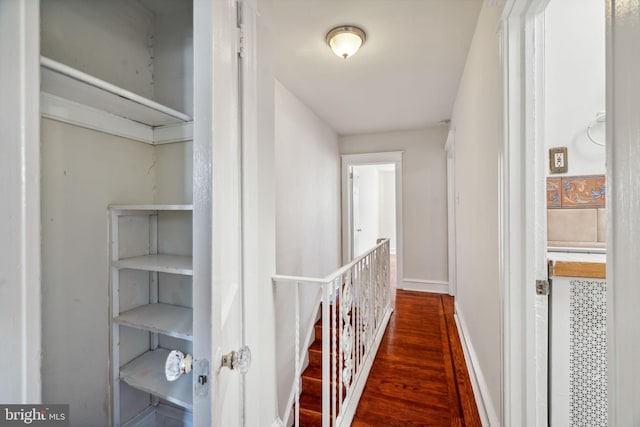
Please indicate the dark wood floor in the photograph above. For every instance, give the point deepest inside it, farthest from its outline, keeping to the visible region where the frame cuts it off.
(419, 377)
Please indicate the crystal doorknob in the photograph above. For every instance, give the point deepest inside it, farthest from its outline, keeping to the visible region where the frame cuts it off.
(240, 360)
(177, 364)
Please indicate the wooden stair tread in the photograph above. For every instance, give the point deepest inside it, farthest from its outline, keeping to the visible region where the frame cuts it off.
(309, 418)
(311, 394)
(311, 401)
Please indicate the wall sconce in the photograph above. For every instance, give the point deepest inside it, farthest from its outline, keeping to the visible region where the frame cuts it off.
(346, 40)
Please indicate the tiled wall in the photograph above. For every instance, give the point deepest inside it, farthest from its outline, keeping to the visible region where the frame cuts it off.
(576, 214)
(576, 192)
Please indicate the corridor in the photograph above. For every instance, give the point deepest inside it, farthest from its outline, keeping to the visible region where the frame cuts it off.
(419, 376)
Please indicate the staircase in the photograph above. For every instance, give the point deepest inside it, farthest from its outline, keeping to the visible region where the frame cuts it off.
(363, 288)
(311, 395)
(311, 379)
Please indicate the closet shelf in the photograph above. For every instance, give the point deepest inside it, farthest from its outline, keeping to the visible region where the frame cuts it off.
(175, 264)
(146, 373)
(167, 319)
(151, 207)
(74, 85)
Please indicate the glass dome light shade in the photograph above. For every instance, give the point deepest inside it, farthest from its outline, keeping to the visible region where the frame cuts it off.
(345, 41)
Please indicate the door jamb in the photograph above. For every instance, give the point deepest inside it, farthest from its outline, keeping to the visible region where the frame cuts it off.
(20, 253)
(521, 190)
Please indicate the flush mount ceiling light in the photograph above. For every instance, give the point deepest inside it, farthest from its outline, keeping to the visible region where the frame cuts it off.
(346, 40)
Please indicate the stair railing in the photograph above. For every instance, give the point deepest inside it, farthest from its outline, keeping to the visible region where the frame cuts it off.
(356, 305)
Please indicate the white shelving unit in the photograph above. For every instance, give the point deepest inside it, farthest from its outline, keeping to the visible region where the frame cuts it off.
(72, 96)
(137, 271)
(146, 373)
(120, 85)
(161, 263)
(167, 319)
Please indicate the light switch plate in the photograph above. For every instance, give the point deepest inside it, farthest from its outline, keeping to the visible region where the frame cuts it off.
(558, 160)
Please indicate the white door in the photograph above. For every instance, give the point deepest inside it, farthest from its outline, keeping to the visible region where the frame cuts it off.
(355, 217)
(217, 233)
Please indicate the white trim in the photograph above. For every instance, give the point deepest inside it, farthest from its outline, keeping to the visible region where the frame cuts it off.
(523, 367)
(63, 110)
(85, 81)
(373, 158)
(20, 253)
(485, 405)
(207, 335)
(66, 111)
(623, 221)
(260, 400)
(436, 286)
(451, 211)
(173, 133)
(349, 160)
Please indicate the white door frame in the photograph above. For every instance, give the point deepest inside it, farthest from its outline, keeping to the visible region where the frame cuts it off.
(349, 160)
(20, 294)
(449, 147)
(218, 264)
(259, 225)
(523, 216)
(623, 221)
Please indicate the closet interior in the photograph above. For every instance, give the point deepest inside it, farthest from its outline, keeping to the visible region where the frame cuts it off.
(116, 208)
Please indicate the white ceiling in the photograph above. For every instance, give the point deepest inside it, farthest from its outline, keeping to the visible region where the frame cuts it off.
(404, 77)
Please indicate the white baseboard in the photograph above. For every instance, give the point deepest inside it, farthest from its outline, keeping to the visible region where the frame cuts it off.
(487, 412)
(436, 286)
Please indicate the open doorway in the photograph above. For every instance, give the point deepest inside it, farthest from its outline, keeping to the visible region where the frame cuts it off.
(560, 69)
(372, 205)
(373, 194)
(575, 205)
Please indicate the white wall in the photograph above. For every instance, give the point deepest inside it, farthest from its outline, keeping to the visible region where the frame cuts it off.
(173, 57)
(307, 189)
(575, 81)
(113, 42)
(424, 196)
(387, 226)
(83, 171)
(174, 173)
(477, 118)
(307, 214)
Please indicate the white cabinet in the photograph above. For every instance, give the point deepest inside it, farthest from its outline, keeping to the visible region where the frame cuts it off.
(151, 310)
